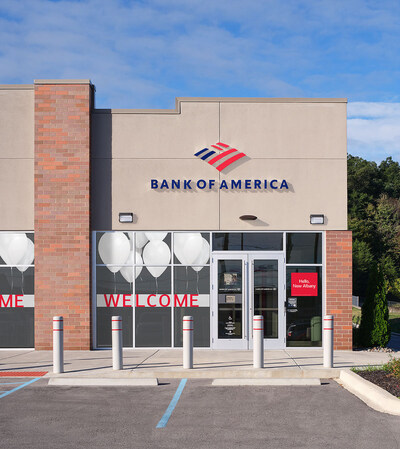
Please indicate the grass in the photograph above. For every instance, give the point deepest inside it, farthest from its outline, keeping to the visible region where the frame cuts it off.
(394, 319)
(367, 368)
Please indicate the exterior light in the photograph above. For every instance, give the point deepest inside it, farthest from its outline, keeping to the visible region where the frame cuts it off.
(248, 217)
(125, 217)
(317, 219)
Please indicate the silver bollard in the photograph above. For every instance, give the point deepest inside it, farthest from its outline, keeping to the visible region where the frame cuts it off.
(58, 344)
(187, 342)
(258, 341)
(116, 331)
(328, 341)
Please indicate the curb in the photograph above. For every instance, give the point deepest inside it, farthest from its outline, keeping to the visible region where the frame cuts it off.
(374, 396)
(201, 373)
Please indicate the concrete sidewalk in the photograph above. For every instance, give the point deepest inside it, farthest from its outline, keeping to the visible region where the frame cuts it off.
(167, 363)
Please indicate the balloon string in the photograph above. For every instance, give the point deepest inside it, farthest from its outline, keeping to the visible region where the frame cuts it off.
(115, 285)
(12, 280)
(22, 286)
(156, 286)
(197, 275)
(187, 280)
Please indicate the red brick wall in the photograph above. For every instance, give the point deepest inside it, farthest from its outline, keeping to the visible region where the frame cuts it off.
(339, 285)
(62, 230)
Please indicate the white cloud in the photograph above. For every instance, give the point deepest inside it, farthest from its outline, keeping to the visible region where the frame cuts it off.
(141, 54)
(373, 130)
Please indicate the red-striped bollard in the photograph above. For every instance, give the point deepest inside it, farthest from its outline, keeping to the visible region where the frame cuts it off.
(188, 342)
(58, 344)
(116, 331)
(258, 341)
(327, 341)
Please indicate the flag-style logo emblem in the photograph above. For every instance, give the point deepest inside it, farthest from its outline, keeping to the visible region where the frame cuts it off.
(222, 158)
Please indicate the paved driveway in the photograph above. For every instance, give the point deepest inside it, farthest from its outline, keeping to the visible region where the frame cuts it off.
(326, 416)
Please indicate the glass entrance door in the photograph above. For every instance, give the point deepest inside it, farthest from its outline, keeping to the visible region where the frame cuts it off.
(229, 314)
(244, 285)
(266, 292)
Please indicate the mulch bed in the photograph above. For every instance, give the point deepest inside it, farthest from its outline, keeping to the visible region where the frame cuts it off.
(384, 380)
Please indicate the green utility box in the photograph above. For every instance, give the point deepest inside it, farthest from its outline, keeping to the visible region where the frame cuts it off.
(316, 328)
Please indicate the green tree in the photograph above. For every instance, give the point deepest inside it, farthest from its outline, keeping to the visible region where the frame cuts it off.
(374, 219)
(390, 176)
(362, 261)
(374, 327)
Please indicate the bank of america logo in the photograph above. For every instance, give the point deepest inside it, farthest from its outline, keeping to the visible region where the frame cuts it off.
(222, 158)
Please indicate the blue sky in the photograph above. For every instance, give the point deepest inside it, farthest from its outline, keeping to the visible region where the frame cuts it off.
(143, 54)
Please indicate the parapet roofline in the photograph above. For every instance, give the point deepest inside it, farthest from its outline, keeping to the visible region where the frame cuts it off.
(69, 81)
(42, 82)
(180, 100)
(16, 86)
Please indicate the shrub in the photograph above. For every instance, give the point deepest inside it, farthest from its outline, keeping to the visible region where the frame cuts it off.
(393, 366)
(374, 327)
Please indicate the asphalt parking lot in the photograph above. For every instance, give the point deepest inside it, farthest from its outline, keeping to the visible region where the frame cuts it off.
(205, 416)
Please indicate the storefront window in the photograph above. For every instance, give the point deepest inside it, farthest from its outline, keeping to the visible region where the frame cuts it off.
(303, 306)
(114, 280)
(192, 290)
(248, 241)
(16, 290)
(304, 247)
(140, 278)
(191, 248)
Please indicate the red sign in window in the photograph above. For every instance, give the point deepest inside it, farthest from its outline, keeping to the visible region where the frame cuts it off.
(304, 284)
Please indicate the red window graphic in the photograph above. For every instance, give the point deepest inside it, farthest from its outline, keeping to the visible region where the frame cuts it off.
(304, 284)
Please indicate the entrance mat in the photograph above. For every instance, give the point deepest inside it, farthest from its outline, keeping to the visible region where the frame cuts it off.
(22, 373)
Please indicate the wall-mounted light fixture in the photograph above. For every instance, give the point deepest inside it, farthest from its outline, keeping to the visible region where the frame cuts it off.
(248, 217)
(317, 219)
(125, 217)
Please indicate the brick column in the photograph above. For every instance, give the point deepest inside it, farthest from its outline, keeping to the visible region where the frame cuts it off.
(62, 228)
(339, 285)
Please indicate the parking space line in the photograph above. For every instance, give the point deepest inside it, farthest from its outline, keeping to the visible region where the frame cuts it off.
(163, 421)
(19, 387)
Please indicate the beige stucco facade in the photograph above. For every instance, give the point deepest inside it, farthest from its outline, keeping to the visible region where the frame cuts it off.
(300, 140)
(16, 157)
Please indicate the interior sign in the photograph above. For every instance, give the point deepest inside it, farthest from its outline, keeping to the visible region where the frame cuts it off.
(304, 284)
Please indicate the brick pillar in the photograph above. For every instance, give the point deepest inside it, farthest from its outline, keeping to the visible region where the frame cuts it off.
(339, 285)
(62, 229)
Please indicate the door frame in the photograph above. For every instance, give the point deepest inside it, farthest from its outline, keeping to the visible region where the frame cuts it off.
(246, 342)
(269, 343)
(226, 343)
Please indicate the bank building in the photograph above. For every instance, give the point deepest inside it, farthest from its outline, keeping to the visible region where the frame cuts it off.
(221, 208)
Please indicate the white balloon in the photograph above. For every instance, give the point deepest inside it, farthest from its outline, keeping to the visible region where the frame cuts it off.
(139, 260)
(127, 272)
(4, 239)
(192, 247)
(130, 236)
(28, 257)
(156, 252)
(114, 250)
(187, 246)
(204, 256)
(14, 247)
(156, 235)
(179, 243)
(141, 239)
